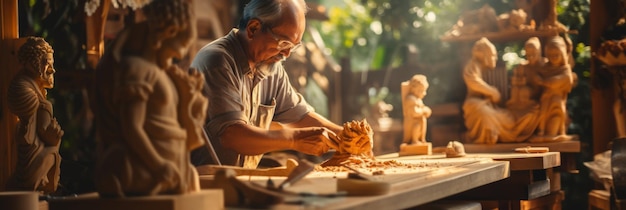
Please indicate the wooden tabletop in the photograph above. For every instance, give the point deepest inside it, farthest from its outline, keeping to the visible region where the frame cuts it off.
(448, 177)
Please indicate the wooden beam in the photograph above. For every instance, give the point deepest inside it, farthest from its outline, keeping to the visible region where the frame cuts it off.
(8, 36)
(603, 121)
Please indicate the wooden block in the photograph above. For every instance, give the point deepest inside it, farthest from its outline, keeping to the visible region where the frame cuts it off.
(599, 200)
(276, 171)
(572, 146)
(416, 149)
(43, 205)
(524, 161)
(19, 200)
(551, 201)
(205, 199)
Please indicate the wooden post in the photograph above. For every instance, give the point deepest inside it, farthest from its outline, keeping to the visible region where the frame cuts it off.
(95, 33)
(8, 36)
(603, 122)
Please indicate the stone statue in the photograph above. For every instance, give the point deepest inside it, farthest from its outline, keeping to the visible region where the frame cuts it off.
(486, 122)
(38, 133)
(149, 112)
(557, 80)
(415, 115)
(414, 111)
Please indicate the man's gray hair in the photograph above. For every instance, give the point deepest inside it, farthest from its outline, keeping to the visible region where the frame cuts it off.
(267, 11)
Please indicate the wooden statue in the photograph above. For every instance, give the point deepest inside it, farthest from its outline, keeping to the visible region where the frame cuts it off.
(486, 122)
(525, 89)
(38, 134)
(515, 21)
(354, 144)
(557, 80)
(415, 115)
(149, 112)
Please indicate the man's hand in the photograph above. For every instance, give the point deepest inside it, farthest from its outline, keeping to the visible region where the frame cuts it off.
(314, 141)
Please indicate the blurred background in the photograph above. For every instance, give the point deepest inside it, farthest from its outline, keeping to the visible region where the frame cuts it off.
(355, 55)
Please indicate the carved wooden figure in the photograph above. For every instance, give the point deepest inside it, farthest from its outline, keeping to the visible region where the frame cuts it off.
(485, 122)
(557, 80)
(525, 89)
(149, 112)
(38, 134)
(415, 116)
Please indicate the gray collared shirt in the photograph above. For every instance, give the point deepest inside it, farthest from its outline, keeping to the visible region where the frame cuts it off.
(238, 95)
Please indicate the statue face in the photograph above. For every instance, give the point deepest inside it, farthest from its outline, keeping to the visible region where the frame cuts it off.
(46, 79)
(419, 91)
(489, 58)
(555, 56)
(177, 46)
(533, 55)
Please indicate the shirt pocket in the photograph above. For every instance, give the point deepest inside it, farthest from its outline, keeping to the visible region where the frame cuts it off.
(266, 114)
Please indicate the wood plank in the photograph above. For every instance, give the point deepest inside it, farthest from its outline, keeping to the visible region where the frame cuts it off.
(523, 161)
(205, 199)
(564, 147)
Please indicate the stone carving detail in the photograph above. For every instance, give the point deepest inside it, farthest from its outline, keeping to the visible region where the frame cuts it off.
(38, 134)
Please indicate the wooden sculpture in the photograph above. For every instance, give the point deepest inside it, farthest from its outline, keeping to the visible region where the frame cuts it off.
(525, 88)
(149, 112)
(415, 116)
(354, 144)
(485, 121)
(557, 80)
(38, 134)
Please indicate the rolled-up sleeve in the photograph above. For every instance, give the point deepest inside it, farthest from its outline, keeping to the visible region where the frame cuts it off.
(222, 88)
(290, 106)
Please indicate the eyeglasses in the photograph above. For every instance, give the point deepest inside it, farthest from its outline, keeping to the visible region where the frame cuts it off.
(282, 43)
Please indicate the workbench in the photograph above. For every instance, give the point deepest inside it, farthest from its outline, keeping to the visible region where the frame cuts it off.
(449, 176)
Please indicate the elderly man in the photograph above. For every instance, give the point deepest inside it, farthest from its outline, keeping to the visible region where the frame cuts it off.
(249, 92)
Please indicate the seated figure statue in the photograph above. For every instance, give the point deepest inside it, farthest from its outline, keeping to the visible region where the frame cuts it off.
(149, 112)
(38, 134)
(557, 80)
(486, 122)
